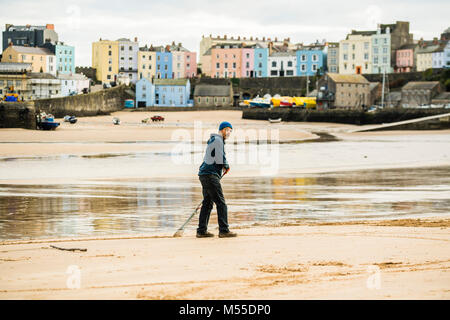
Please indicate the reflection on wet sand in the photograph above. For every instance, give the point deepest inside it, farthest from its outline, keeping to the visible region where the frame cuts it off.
(161, 205)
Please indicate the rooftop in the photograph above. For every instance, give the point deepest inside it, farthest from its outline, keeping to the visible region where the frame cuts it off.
(32, 50)
(170, 82)
(420, 85)
(348, 78)
(210, 90)
(14, 67)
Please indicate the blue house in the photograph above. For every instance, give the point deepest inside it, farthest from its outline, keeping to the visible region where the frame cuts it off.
(64, 55)
(164, 65)
(172, 92)
(145, 93)
(310, 60)
(260, 61)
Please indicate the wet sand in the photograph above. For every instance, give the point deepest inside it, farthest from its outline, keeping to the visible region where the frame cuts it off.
(401, 259)
(292, 260)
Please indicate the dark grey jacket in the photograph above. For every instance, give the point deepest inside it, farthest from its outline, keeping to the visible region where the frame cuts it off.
(214, 160)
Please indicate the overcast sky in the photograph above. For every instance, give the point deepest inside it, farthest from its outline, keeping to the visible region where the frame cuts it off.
(81, 22)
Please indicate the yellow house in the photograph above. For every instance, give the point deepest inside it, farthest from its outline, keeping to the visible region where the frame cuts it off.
(146, 64)
(105, 59)
(42, 60)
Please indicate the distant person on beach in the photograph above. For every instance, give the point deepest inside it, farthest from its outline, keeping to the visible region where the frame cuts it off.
(213, 168)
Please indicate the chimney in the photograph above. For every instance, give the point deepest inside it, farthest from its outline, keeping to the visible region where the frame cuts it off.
(173, 43)
(50, 26)
(256, 38)
(7, 26)
(270, 47)
(232, 38)
(245, 38)
(264, 38)
(135, 39)
(239, 37)
(179, 44)
(276, 39)
(435, 40)
(28, 26)
(225, 37)
(251, 38)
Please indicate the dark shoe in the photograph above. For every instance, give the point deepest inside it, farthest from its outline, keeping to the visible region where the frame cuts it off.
(204, 235)
(228, 234)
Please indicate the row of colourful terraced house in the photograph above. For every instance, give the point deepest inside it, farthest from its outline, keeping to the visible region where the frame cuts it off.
(123, 60)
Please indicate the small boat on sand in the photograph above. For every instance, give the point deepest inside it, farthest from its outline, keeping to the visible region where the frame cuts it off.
(275, 120)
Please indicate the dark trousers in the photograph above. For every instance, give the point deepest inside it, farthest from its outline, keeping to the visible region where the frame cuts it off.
(212, 193)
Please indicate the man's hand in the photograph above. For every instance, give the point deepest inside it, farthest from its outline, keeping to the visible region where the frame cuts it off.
(225, 171)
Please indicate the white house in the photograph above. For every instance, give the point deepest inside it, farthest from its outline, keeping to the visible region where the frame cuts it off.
(73, 83)
(128, 58)
(282, 64)
(44, 85)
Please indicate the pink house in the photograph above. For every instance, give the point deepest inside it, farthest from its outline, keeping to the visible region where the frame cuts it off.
(190, 61)
(248, 59)
(226, 61)
(405, 58)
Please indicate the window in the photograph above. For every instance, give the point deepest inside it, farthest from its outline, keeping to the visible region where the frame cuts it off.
(110, 53)
(234, 65)
(303, 67)
(366, 45)
(375, 50)
(226, 65)
(260, 65)
(366, 56)
(274, 73)
(218, 65)
(345, 56)
(315, 58)
(248, 55)
(143, 66)
(303, 57)
(314, 67)
(289, 63)
(385, 49)
(290, 72)
(274, 64)
(247, 64)
(260, 55)
(121, 48)
(353, 46)
(131, 48)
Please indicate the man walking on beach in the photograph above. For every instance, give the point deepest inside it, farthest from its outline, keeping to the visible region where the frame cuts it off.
(213, 168)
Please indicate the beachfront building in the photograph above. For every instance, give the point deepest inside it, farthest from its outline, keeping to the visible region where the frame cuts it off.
(406, 58)
(146, 63)
(261, 56)
(41, 59)
(311, 59)
(381, 51)
(226, 61)
(355, 53)
(14, 77)
(44, 85)
(64, 55)
(28, 35)
(349, 91)
(105, 59)
(438, 56)
(209, 42)
(190, 62)
(128, 58)
(172, 92)
(208, 95)
(73, 84)
(145, 93)
(447, 55)
(333, 57)
(178, 64)
(247, 62)
(416, 93)
(282, 63)
(163, 63)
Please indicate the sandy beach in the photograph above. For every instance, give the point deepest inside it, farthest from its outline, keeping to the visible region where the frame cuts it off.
(101, 175)
(401, 259)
